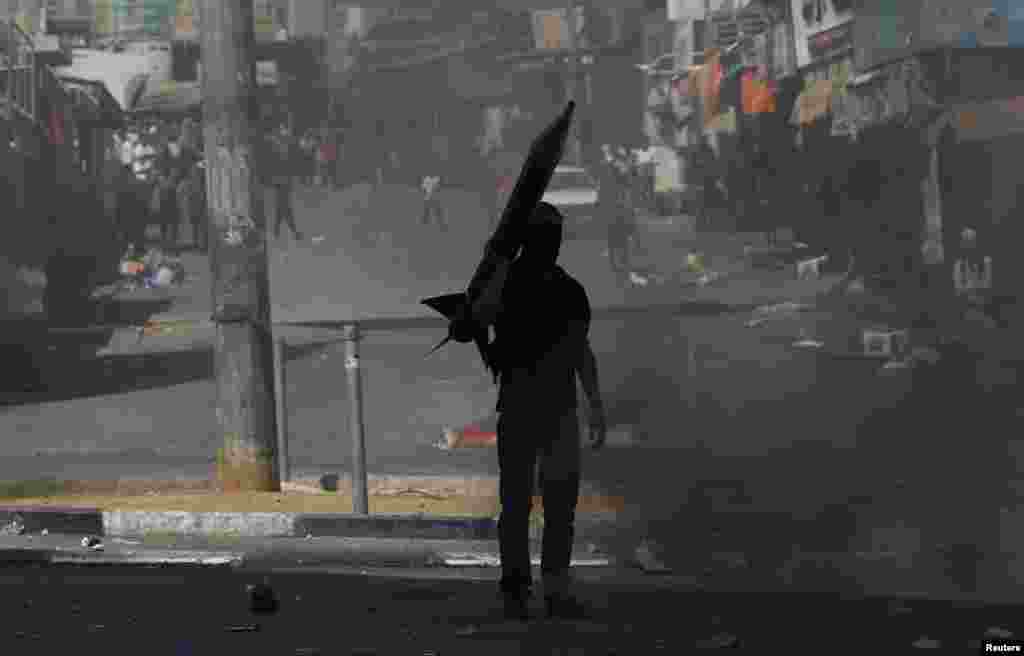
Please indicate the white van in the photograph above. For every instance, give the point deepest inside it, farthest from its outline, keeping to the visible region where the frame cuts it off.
(158, 56)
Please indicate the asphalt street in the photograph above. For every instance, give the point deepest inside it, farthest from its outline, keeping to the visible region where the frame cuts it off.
(190, 611)
(744, 441)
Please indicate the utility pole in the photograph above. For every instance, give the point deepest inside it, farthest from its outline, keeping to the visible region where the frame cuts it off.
(328, 55)
(572, 73)
(243, 347)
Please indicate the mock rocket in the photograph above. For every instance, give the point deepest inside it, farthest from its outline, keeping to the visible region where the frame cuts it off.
(469, 313)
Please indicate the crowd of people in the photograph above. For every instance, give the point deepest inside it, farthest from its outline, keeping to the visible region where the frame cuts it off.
(159, 178)
(160, 181)
(624, 189)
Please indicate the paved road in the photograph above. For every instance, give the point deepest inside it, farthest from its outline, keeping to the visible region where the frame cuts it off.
(366, 255)
(189, 611)
(767, 449)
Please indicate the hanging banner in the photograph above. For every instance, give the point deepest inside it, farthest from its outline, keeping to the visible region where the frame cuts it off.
(814, 102)
(267, 24)
(103, 17)
(820, 29)
(157, 16)
(27, 21)
(711, 81)
(758, 97)
(551, 29)
(185, 20)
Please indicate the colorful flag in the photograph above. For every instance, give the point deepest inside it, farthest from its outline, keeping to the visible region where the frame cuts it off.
(1013, 12)
(758, 97)
(711, 85)
(888, 25)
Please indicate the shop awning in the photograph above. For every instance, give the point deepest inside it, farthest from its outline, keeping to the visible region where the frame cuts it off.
(104, 107)
(507, 5)
(813, 103)
(124, 75)
(474, 84)
(175, 98)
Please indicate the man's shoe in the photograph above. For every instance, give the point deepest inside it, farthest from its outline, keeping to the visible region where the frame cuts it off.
(517, 605)
(566, 608)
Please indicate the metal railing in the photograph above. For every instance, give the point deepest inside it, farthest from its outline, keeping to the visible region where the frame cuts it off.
(18, 88)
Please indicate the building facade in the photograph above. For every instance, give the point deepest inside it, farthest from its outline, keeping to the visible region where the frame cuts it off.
(955, 64)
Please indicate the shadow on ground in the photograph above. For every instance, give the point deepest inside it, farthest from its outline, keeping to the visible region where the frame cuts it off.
(43, 365)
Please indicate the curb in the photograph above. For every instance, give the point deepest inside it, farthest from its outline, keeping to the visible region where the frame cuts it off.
(172, 557)
(477, 486)
(475, 437)
(21, 556)
(97, 522)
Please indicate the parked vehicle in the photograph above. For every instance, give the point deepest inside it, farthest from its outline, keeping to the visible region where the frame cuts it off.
(53, 154)
(574, 192)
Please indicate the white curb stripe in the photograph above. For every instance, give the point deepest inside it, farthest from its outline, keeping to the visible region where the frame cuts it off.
(487, 560)
(150, 558)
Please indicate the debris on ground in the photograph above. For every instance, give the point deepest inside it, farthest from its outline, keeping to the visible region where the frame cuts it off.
(637, 279)
(720, 641)
(647, 559)
(15, 527)
(262, 599)
(786, 307)
(997, 633)
(153, 270)
(924, 642)
(810, 268)
(92, 542)
(896, 608)
(709, 277)
(329, 482)
(925, 354)
(411, 492)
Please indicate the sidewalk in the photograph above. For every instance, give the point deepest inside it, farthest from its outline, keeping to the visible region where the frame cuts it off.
(401, 610)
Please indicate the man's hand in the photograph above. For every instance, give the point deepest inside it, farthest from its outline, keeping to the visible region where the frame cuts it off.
(598, 427)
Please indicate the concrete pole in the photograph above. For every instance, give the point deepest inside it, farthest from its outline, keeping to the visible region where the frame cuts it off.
(243, 347)
(353, 371)
(572, 74)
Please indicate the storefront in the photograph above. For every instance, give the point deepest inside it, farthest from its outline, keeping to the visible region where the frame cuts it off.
(742, 97)
(959, 70)
(981, 185)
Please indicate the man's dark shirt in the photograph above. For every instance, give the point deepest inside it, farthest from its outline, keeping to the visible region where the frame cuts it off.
(540, 334)
(177, 169)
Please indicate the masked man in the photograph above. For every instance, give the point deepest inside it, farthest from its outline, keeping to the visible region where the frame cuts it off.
(541, 344)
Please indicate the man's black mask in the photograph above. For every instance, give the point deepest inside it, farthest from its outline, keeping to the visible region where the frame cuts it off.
(544, 237)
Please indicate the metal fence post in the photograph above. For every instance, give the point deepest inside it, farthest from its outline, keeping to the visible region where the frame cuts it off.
(360, 496)
(281, 403)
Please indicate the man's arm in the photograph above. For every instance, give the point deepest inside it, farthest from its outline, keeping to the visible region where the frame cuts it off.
(589, 378)
(591, 388)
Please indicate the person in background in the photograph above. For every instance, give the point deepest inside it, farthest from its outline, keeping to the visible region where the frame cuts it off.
(281, 169)
(431, 203)
(972, 271)
(191, 197)
(174, 169)
(191, 136)
(334, 165)
(144, 157)
(327, 155)
(620, 217)
(310, 164)
(130, 209)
